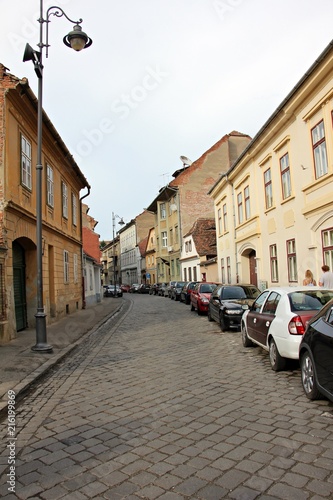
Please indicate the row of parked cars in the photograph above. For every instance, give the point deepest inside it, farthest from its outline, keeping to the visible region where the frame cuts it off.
(291, 323)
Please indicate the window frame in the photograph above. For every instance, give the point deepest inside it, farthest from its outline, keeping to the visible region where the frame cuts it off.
(285, 176)
(327, 246)
(26, 160)
(247, 204)
(240, 208)
(268, 188)
(66, 267)
(64, 199)
(49, 185)
(274, 263)
(292, 260)
(320, 160)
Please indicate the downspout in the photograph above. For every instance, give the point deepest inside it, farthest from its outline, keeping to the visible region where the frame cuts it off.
(82, 270)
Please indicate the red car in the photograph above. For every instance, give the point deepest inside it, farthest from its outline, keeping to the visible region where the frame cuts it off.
(200, 296)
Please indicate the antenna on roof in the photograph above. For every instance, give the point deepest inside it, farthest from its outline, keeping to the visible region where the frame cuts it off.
(186, 161)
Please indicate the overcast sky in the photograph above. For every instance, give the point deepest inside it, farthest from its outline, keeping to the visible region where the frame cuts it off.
(163, 78)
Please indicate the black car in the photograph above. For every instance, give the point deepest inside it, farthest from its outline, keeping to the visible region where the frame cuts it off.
(316, 355)
(154, 289)
(185, 294)
(112, 291)
(228, 302)
(144, 288)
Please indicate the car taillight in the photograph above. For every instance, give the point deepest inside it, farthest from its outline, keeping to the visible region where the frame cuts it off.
(296, 326)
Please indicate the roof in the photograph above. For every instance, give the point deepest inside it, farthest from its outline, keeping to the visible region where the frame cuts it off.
(278, 110)
(203, 233)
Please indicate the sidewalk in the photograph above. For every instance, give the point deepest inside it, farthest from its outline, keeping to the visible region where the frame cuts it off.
(20, 366)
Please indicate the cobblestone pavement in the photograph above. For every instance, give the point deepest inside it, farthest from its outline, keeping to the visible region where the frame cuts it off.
(159, 404)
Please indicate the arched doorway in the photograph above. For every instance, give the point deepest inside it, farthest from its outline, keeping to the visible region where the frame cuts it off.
(253, 268)
(19, 286)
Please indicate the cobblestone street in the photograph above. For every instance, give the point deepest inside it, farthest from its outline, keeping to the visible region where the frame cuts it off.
(159, 404)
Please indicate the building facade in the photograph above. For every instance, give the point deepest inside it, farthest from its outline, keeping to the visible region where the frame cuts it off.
(61, 209)
(274, 206)
(185, 199)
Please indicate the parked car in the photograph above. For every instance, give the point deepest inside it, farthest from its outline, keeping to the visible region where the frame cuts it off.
(167, 291)
(185, 294)
(316, 355)
(161, 289)
(113, 291)
(134, 288)
(277, 320)
(176, 289)
(154, 289)
(201, 295)
(125, 288)
(227, 304)
(144, 288)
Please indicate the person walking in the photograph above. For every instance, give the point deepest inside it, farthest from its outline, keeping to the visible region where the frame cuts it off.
(326, 279)
(309, 280)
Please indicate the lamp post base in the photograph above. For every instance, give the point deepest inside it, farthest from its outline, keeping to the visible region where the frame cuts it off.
(41, 343)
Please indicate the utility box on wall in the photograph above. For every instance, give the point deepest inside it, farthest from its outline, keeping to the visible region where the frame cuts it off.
(262, 285)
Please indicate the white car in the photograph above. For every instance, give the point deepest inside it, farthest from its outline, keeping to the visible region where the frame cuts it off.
(277, 319)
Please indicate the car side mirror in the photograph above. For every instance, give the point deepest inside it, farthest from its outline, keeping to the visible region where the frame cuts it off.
(245, 307)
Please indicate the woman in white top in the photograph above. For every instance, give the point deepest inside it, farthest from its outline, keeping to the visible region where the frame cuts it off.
(308, 280)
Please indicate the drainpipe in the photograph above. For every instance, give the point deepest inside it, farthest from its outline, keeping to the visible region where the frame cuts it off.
(82, 273)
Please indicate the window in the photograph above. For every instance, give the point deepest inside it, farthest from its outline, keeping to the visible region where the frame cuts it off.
(222, 271)
(162, 211)
(268, 189)
(90, 279)
(247, 203)
(228, 270)
(25, 162)
(49, 186)
(240, 208)
(190, 274)
(185, 274)
(319, 149)
(176, 235)
(195, 277)
(171, 237)
(164, 236)
(64, 192)
(285, 176)
(186, 246)
(292, 262)
(75, 268)
(219, 217)
(274, 263)
(225, 221)
(74, 209)
(327, 238)
(66, 266)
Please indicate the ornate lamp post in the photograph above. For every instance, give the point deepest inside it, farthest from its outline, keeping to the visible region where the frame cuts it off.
(77, 40)
(121, 223)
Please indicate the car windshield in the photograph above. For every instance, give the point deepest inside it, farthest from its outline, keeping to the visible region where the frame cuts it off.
(207, 288)
(309, 300)
(233, 292)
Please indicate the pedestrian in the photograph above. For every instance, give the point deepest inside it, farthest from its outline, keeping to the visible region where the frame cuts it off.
(309, 280)
(326, 279)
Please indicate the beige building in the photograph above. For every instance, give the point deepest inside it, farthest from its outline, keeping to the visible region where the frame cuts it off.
(274, 206)
(61, 214)
(185, 199)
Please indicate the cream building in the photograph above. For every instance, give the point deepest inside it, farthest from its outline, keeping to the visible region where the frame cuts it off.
(274, 206)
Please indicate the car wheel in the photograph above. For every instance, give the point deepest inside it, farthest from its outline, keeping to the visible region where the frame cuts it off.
(277, 362)
(222, 323)
(245, 339)
(209, 316)
(309, 377)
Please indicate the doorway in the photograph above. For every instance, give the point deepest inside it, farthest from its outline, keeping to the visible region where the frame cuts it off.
(19, 286)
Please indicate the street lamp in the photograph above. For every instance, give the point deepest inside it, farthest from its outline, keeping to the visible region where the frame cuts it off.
(77, 40)
(121, 223)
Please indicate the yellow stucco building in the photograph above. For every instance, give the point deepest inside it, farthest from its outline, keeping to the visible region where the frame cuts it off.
(61, 214)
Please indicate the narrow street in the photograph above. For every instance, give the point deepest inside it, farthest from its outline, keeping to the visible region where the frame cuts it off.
(159, 404)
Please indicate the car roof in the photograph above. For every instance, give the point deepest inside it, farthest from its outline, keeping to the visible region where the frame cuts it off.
(291, 289)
